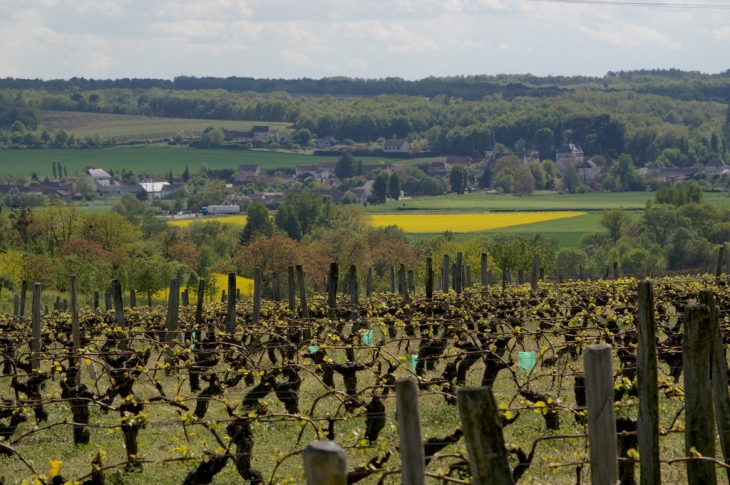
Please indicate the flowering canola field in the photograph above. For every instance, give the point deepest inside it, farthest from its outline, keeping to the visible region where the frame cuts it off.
(238, 219)
(435, 223)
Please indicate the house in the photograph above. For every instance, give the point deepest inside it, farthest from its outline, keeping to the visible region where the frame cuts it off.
(98, 174)
(463, 161)
(153, 189)
(252, 167)
(588, 171)
(363, 192)
(437, 169)
(306, 171)
(233, 199)
(239, 136)
(654, 169)
(119, 190)
(168, 189)
(566, 155)
(262, 133)
(267, 198)
(244, 178)
(285, 137)
(397, 145)
(715, 165)
(327, 141)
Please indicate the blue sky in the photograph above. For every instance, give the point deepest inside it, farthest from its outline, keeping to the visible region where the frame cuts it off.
(365, 38)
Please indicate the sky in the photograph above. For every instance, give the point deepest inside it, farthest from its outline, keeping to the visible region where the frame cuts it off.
(412, 39)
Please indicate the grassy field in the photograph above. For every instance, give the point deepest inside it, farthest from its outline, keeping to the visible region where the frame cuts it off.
(481, 202)
(152, 160)
(127, 127)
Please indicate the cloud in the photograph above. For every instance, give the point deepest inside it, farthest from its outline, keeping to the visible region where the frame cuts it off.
(721, 33)
(632, 35)
(298, 59)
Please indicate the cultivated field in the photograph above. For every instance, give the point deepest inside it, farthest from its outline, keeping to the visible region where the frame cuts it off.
(128, 127)
(465, 223)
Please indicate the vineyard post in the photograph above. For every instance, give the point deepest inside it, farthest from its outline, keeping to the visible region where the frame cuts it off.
(409, 432)
(411, 286)
(199, 302)
(332, 281)
(354, 298)
(392, 278)
(490, 278)
(508, 275)
(325, 463)
(23, 291)
(607, 272)
(16, 306)
(429, 278)
(601, 416)
(75, 334)
(580, 274)
(720, 256)
(401, 280)
(720, 396)
(727, 259)
(149, 299)
(231, 315)
(223, 296)
(520, 277)
(615, 270)
(483, 434)
(35, 343)
(542, 274)
(96, 301)
(307, 334)
(118, 304)
(535, 271)
(646, 366)
(406, 295)
(107, 301)
(256, 318)
(184, 297)
(369, 283)
(275, 287)
(699, 434)
(445, 274)
(485, 282)
(292, 288)
(132, 298)
(458, 273)
(171, 320)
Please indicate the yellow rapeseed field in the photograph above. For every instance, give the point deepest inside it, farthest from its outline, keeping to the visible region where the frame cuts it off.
(238, 219)
(221, 281)
(435, 223)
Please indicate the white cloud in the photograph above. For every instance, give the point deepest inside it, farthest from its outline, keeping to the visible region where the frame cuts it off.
(298, 59)
(721, 33)
(631, 35)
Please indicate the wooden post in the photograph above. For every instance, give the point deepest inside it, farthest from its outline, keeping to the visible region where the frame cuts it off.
(720, 395)
(107, 301)
(580, 274)
(307, 334)
(508, 274)
(484, 265)
(231, 311)
(406, 295)
(35, 343)
(615, 270)
(96, 300)
(520, 277)
(697, 350)
(75, 334)
(23, 291)
(369, 282)
(467, 275)
(132, 298)
(411, 286)
(392, 278)
(354, 295)
(720, 256)
(409, 432)
(292, 287)
(332, 282)
(535, 271)
(727, 259)
(605, 277)
(458, 274)
(118, 304)
(542, 274)
(223, 296)
(149, 299)
(401, 275)
(184, 297)
(646, 366)
(173, 304)
(484, 439)
(490, 278)
(256, 318)
(238, 294)
(325, 463)
(429, 278)
(275, 287)
(200, 301)
(601, 417)
(445, 274)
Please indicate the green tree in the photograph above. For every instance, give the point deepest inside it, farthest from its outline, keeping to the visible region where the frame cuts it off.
(569, 260)
(394, 186)
(613, 220)
(85, 186)
(380, 186)
(660, 221)
(346, 165)
(53, 163)
(303, 136)
(258, 223)
(216, 136)
(544, 139)
(571, 181)
(186, 174)
(458, 179)
(538, 174)
(485, 181)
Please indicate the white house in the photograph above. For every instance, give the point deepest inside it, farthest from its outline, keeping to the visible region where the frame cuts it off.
(240, 136)
(327, 141)
(397, 145)
(588, 171)
(566, 155)
(715, 165)
(285, 137)
(98, 174)
(154, 189)
(262, 133)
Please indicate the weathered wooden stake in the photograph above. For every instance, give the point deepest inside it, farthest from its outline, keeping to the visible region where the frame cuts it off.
(325, 463)
(429, 278)
(720, 257)
(411, 286)
(332, 281)
(484, 439)
(409, 432)
(615, 270)
(406, 294)
(445, 274)
(132, 298)
(292, 287)
(580, 274)
(535, 271)
(646, 365)
(231, 311)
(467, 275)
(307, 333)
(484, 266)
(75, 333)
(458, 274)
(149, 299)
(256, 318)
(23, 291)
(699, 434)
(171, 321)
(727, 259)
(108, 301)
(199, 302)
(392, 278)
(35, 343)
(118, 304)
(601, 417)
(96, 300)
(520, 277)
(354, 298)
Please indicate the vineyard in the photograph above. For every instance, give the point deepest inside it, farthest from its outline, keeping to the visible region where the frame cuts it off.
(232, 391)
